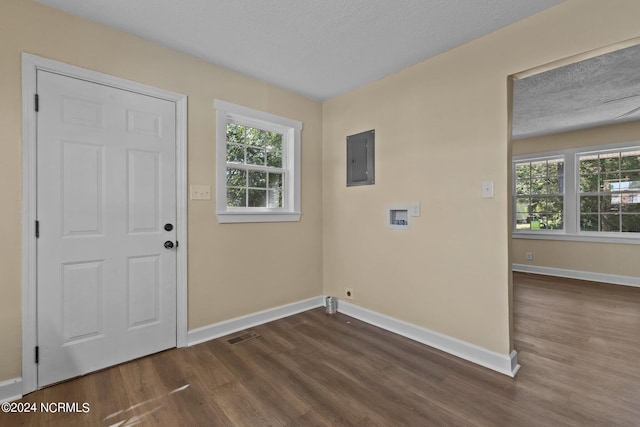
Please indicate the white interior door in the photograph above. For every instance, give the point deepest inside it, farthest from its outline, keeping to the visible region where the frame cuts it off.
(106, 190)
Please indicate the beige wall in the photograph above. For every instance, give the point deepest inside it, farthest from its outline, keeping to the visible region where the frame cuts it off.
(220, 287)
(605, 258)
(441, 129)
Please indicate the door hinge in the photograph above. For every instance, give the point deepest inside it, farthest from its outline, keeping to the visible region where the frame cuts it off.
(37, 102)
(37, 354)
(37, 229)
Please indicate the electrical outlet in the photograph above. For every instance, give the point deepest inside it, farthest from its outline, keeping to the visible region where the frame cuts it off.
(529, 256)
(348, 293)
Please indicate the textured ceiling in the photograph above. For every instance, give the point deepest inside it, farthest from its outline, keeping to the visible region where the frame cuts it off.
(318, 48)
(598, 91)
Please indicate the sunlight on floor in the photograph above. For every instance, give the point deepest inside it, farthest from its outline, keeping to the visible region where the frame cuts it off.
(133, 420)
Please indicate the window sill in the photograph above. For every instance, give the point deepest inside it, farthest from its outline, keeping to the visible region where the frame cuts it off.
(240, 217)
(577, 238)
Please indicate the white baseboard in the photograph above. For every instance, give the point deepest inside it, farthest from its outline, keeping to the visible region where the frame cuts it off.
(11, 390)
(575, 274)
(217, 330)
(505, 364)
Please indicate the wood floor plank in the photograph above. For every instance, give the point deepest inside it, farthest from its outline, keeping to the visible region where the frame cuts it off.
(577, 342)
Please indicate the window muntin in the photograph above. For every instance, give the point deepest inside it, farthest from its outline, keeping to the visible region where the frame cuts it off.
(539, 194)
(609, 191)
(255, 176)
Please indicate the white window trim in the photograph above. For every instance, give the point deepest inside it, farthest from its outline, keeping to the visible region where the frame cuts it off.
(571, 230)
(292, 129)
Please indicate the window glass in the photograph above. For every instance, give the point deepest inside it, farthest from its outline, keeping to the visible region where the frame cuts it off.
(254, 163)
(539, 194)
(609, 192)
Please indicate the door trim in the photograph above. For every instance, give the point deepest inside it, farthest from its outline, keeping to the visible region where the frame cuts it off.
(30, 65)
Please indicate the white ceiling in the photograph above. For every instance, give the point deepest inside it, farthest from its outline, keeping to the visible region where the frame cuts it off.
(318, 48)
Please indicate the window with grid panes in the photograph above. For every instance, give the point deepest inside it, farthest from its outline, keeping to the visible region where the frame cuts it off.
(609, 191)
(255, 175)
(539, 194)
(258, 165)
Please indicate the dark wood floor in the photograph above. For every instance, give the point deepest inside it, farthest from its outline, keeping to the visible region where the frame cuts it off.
(578, 343)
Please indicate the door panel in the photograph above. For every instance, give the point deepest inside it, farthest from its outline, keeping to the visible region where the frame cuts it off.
(81, 300)
(143, 291)
(82, 188)
(143, 185)
(106, 183)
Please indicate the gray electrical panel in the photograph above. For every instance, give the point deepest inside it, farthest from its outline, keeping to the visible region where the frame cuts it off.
(361, 158)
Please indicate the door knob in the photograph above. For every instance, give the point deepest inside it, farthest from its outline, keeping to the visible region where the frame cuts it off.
(168, 227)
(168, 244)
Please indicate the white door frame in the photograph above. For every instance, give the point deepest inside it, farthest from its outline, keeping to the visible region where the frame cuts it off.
(30, 65)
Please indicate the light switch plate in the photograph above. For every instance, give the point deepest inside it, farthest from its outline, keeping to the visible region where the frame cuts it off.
(200, 192)
(415, 209)
(487, 190)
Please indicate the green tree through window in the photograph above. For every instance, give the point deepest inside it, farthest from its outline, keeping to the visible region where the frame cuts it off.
(609, 191)
(539, 194)
(255, 176)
